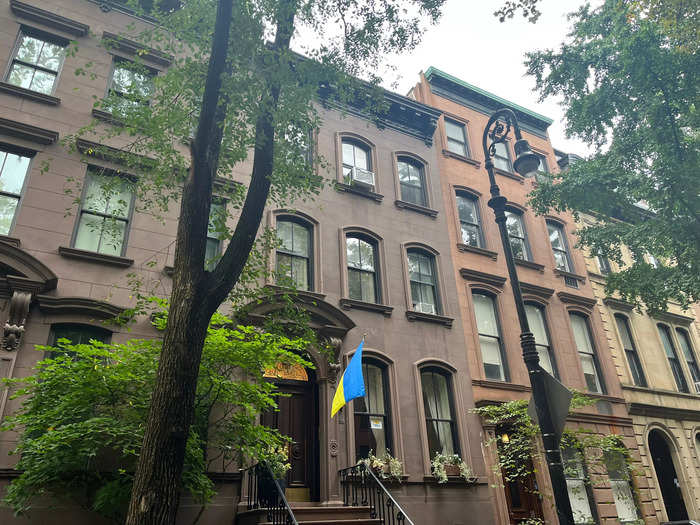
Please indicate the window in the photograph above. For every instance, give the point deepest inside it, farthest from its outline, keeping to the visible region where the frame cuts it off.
(355, 156)
(412, 181)
(131, 83)
(489, 336)
(423, 278)
(619, 475)
(372, 414)
(630, 350)
(516, 235)
(543, 167)
(294, 254)
(575, 474)
(105, 213)
(672, 356)
(456, 138)
(604, 265)
(559, 247)
(586, 352)
(439, 411)
(217, 218)
(363, 282)
(689, 355)
(501, 158)
(77, 334)
(13, 171)
(538, 326)
(36, 62)
(469, 220)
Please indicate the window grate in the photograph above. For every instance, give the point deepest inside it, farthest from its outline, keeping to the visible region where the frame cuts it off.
(570, 282)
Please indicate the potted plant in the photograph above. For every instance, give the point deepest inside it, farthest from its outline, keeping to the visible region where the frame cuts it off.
(446, 465)
(384, 466)
(277, 459)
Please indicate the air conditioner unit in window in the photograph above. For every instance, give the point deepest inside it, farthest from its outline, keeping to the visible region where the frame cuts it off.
(363, 178)
(425, 308)
(697, 386)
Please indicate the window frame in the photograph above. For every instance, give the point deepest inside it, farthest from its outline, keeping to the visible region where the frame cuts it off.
(587, 486)
(377, 276)
(10, 149)
(550, 349)
(209, 265)
(464, 194)
(620, 456)
(567, 249)
(361, 142)
(387, 416)
(508, 158)
(420, 249)
(683, 387)
(596, 362)
(421, 166)
(53, 338)
(499, 339)
(641, 380)
(311, 266)
(451, 396)
(520, 214)
(604, 265)
(693, 367)
(465, 136)
(105, 172)
(32, 32)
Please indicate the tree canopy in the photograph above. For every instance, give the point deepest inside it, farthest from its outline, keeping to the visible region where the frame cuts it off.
(630, 89)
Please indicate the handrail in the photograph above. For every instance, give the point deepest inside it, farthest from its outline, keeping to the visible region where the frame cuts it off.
(264, 492)
(361, 486)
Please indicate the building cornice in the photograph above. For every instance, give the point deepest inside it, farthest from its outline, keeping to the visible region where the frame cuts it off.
(577, 300)
(476, 276)
(28, 132)
(618, 304)
(131, 47)
(48, 19)
(662, 412)
(672, 318)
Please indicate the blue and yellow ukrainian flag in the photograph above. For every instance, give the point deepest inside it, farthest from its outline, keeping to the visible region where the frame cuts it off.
(351, 384)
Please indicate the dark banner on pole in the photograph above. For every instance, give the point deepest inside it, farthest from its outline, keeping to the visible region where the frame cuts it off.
(559, 399)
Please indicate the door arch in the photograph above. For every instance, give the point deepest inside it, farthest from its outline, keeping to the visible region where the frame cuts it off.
(668, 479)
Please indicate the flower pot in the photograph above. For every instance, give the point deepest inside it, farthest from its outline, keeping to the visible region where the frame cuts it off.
(452, 470)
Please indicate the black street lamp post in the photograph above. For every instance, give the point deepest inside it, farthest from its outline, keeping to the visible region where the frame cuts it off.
(526, 162)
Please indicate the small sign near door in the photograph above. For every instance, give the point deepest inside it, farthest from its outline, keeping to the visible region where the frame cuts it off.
(376, 423)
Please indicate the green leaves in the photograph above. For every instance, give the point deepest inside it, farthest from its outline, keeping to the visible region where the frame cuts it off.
(630, 91)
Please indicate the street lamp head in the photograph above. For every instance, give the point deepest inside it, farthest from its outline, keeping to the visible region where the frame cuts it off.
(526, 162)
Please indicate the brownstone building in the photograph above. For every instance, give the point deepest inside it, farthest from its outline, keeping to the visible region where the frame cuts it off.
(559, 298)
(371, 255)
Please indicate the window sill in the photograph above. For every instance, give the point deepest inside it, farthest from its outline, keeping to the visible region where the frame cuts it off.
(502, 385)
(416, 207)
(349, 304)
(341, 186)
(509, 175)
(530, 264)
(12, 241)
(453, 480)
(562, 273)
(85, 255)
(451, 154)
(412, 315)
(29, 94)
(106, 116)
(475, 249)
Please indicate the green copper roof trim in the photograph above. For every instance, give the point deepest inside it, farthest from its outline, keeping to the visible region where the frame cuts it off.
(435, 71)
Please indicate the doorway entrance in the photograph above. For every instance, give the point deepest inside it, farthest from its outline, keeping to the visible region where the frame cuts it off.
(669, 482)
(297, 418)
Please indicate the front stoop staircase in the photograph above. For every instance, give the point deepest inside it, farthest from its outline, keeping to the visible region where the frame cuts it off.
(365, 502)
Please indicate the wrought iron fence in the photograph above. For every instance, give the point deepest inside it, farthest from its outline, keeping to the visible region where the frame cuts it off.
(361, 487)
(265, 492)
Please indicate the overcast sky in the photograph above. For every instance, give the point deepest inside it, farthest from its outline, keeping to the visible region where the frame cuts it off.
(471, 44)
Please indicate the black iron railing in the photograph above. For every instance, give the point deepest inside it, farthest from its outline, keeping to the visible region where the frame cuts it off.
(361, 487)
(264, 492)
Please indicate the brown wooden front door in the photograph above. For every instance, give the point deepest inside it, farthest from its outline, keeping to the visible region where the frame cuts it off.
(297, 419)
(523, 500)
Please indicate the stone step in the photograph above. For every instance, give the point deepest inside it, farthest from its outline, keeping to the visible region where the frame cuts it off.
(305, 513)
(367, 521)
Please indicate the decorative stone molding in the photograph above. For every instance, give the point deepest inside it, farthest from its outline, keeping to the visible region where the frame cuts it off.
(11, 89)
(673, 318)
(530, 264)
(618, 304)
(445, 321)
(14, 326)
(82, 305)
(348, 304)
(84, 255)
(341, 186)
(132, 47)
(333, 447)
(577, 300)
(475, 249)
(26, 131)
(13, 241)
(111, 154)
(534, 289)
(49, 19)
(482, 277)
(416, 207)
(562, 273)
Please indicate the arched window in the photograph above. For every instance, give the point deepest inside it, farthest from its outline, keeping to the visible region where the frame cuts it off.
(356, 156)
(372, 412)
(294, 259)
(363, 269)
(439, 411)
(489, 336)
(423, 278)
(412, 181)
(560, 249)
(517, 235)
(586, 352)
(672, 357)
(538, 326)
(689, 355)
(623, 329)
(469, 219)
